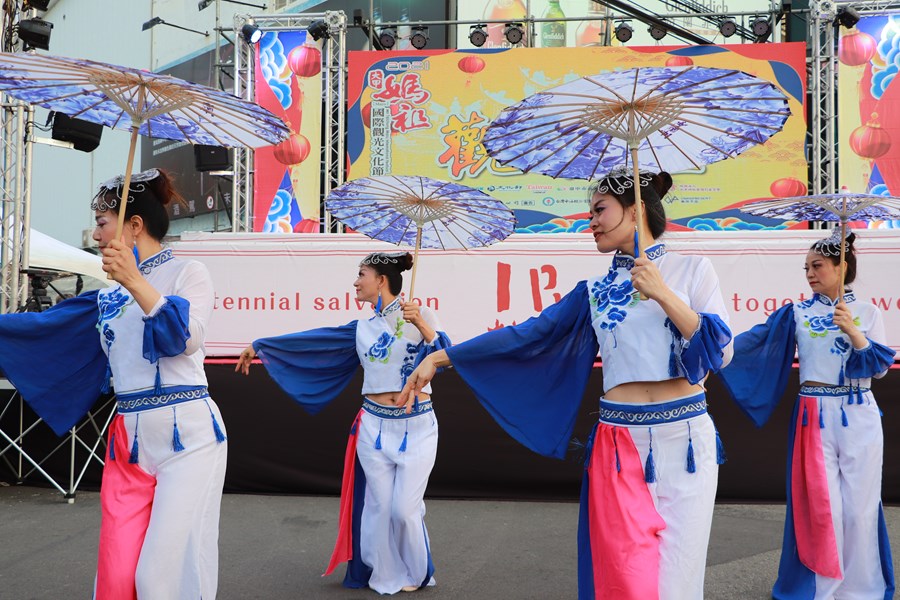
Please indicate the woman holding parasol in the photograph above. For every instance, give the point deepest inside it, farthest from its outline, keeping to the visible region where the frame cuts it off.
(835, 538)
(652, 464)
(390, 453)
(163, 477)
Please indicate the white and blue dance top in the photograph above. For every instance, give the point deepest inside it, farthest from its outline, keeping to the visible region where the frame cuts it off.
(531, 377)
(314, 366)
(826, 354)
(54, 358)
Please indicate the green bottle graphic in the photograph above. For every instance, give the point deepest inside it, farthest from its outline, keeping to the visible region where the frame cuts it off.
(553, 33)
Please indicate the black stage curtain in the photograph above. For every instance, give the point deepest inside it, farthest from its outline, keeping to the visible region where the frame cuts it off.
(275, 447)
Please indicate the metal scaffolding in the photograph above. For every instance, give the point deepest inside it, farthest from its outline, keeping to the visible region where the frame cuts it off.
(334, 70)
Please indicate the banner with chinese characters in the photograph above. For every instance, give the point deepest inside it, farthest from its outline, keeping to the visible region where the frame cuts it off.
(288, 82)
(869, 109)
(272, 284)
(424, 113)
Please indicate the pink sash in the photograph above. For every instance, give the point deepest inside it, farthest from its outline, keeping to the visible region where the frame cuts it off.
(343, 546)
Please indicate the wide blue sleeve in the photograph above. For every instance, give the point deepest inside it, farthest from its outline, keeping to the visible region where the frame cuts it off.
(757, 375)
(531, 377)
(166, 333)
(313, 366)
(703, 352)
(872, 361)
(55, 360)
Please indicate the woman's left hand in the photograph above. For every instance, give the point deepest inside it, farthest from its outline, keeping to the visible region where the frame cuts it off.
(843, 318)
(411, 313)
(119, 262)
(646, 278)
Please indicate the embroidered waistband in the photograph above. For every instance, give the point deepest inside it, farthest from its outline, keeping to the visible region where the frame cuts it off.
(138, 401)
(617, 413)
(829, 390)
(395, 412)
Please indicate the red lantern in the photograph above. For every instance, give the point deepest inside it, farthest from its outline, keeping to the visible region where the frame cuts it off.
(856, 48)
(305, 60)
(293, 150)
(307, 226)
(679, 61)
(787, 187)
(870, 140)
(470, 64)
(366, 113)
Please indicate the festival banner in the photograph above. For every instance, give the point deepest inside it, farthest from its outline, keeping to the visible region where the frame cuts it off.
(425, 113)
(273, 284)
(869, 109)
(286, 185)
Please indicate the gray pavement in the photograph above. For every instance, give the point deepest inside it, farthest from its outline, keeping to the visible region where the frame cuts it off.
(275, 547)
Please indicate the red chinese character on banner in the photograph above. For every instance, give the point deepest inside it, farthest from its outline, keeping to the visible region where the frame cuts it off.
(504, 277)
(405, 94)
(407, 117)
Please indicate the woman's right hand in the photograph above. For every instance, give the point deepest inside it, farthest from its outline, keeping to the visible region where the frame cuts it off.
(417, 380)
(245, 360)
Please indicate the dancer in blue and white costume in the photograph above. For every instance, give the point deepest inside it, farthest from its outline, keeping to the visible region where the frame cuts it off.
(835, 538)
(390, 453)
(652, 467)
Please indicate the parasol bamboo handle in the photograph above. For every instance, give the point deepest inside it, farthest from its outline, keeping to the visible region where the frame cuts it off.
(638, 208)
(126, 186)
(412, 282)
(843, 241)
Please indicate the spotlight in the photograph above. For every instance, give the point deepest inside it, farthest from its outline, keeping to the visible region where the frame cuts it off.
(251, 33)
(624, 31)
(513, 32)
(387, 37)
(477, 35)
(847, 16)
(318, 30)
(419, 37)
(727, 27)
(761, 28)
(35, 33)
(203, 4)
(40, 5)
(657, 32)
(158, 21)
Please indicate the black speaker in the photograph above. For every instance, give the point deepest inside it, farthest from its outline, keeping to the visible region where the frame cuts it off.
(211, 158)
(83, 134)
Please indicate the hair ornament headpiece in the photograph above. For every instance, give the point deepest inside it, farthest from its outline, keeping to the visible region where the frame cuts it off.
(138, 184)
(383, 258)
(620, 179)
(831, 246)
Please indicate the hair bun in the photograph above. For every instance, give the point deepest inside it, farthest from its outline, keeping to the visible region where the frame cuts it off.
(851, 237)
(405, 263)
(662, 182)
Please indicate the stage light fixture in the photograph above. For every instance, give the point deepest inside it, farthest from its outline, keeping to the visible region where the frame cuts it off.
(657, 32)
(205, 3)
(251, 33)
(35, 33)
(624, 31)
(847, 16)
(513, 32)
(158, 21)
(727, 27)
(40, 5)
(83, 135)
(477, 35)
(387, 38)
(419, 37)
(318, 30)
(761, 28)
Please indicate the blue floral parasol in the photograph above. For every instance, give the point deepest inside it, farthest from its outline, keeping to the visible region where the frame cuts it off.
(843, 208)
(421, 212)
(652, 118)
(140, 101)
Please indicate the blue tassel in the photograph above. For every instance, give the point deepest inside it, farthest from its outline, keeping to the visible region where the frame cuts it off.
(403, 443)
(844, 421)
(220, 437)
(805, 420)
(673, 362)
(112, 447)
(104, 389)
(637, 244)
(650, 466)
(720, 450)
(133, 457)
(841, 375)
(157, 384)
(821, 417)
(378, 439)
(378, 305)
(616, 446)
(859, 395)
(691, 465)
(177, 446)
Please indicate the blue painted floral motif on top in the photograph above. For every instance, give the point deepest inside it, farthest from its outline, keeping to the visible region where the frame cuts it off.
(409, 362)
(112, 305)
(380, 351)
(841, 346)
(609, 300)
